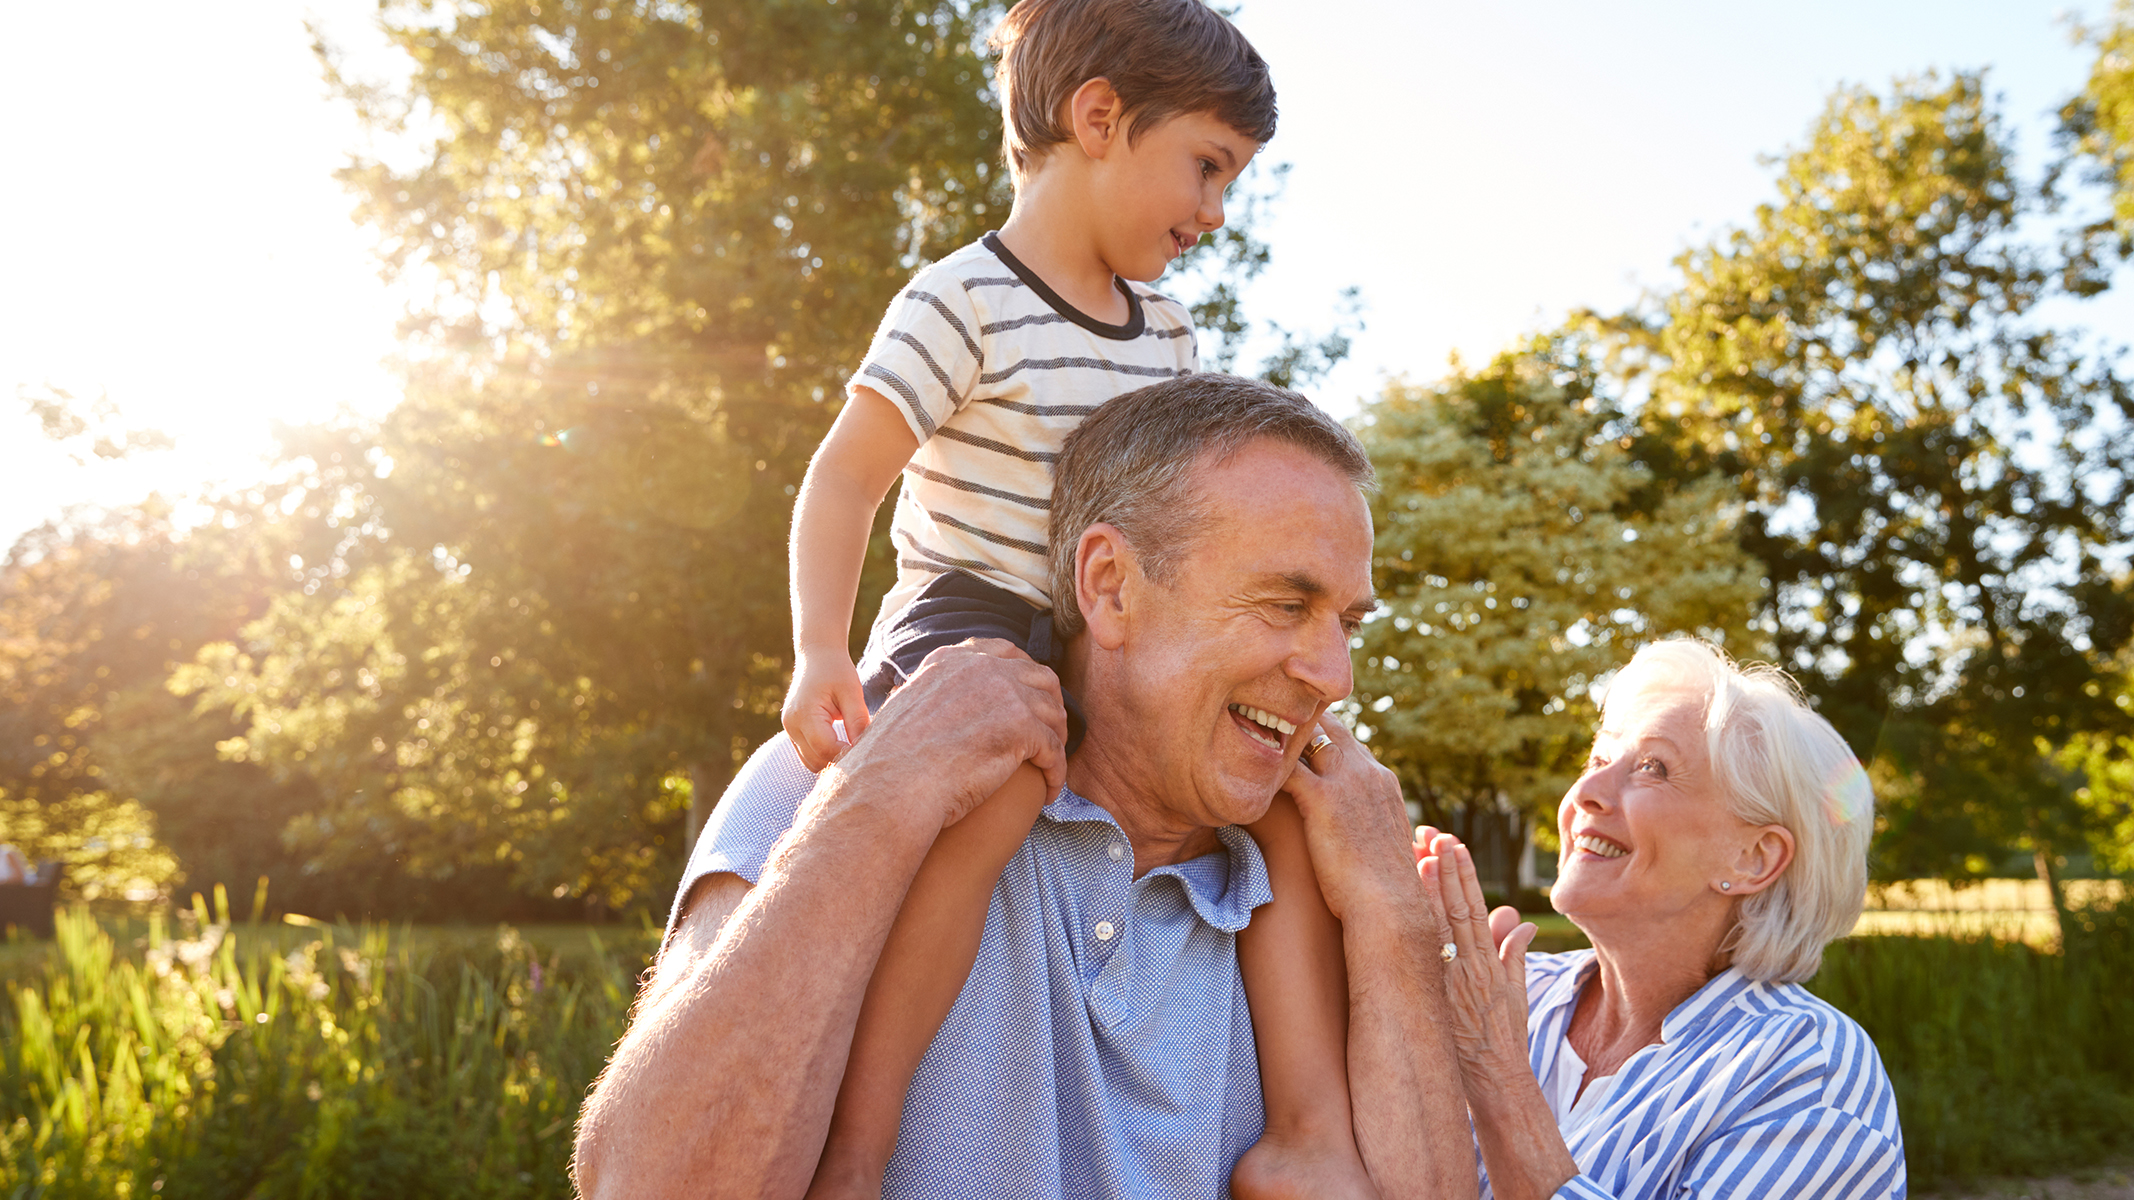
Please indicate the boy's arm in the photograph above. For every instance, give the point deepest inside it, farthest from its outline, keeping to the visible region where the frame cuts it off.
(867, 446)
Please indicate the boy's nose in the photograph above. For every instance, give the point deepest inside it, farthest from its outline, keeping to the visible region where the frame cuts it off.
(1211, 211)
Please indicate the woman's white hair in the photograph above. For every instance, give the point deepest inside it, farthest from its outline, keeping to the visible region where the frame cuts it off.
(1778, 762)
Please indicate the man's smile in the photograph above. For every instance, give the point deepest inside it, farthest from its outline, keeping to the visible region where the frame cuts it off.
(1262, 726)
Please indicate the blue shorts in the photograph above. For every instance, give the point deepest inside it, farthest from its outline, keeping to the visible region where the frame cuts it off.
(954, 608)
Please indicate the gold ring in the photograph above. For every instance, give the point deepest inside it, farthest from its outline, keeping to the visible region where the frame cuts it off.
(1317, 744)
(1448, 952)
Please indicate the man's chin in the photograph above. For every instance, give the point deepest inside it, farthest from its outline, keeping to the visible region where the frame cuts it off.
(1245, 803)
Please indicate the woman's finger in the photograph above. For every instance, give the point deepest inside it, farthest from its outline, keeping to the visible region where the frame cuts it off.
(1512, 953)
(1424, 835)
(1471, 883)
(1458, 908)
(1502, 920)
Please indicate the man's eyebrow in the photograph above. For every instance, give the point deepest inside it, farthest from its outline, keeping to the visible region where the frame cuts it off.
(1298, 581)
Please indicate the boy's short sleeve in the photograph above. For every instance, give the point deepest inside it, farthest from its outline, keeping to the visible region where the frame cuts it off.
(926, 356)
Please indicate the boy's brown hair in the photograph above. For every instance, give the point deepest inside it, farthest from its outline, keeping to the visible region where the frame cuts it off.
(1165, 58)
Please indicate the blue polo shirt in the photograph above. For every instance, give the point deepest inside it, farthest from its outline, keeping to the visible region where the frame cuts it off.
(1102, 1046)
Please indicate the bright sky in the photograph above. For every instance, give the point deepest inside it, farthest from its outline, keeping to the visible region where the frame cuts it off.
(177, 241)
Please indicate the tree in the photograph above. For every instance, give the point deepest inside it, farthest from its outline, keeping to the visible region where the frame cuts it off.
(94, 613)
(2098, 124)
(1931, 477)
(542, 611)
(1522, 555)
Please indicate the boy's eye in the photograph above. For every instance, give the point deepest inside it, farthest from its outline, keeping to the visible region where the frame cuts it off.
(1207, 169)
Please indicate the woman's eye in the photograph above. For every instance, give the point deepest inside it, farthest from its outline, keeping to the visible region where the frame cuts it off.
(1653, 766)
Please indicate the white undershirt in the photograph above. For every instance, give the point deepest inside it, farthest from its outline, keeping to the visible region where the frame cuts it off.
(1572, 1110)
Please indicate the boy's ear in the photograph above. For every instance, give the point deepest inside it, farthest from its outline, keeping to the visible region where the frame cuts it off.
(1102, 563)
(1096, 117)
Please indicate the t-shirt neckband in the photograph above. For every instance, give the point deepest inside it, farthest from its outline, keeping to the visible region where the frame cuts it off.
(1135, 321)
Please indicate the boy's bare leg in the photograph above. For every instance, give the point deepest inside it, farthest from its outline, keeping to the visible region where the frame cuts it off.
(1296, 981)
(924, 964)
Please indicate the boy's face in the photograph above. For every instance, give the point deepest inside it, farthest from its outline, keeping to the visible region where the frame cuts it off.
(1160, 193)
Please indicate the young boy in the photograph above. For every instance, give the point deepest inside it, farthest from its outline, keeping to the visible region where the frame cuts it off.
(1126, 120)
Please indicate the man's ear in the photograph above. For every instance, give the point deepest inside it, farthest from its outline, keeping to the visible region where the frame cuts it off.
(1763, 860)
(1102, 564)
(1096, 118)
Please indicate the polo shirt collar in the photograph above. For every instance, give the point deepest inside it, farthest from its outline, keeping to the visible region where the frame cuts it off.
(1223, 888)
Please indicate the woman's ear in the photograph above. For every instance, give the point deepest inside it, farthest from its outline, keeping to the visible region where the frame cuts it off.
(1762, 860)
(1102, 563)
(1095, 117)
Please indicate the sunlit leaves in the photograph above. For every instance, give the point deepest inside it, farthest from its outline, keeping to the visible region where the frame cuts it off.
(1522, 555)
(1937, 484)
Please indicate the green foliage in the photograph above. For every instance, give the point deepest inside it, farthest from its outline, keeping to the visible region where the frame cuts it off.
(1929, 474)
(2005, 1060)
(93, 616)
(107, 846)
(218, 1063)
(1522, 554)
(2098, 124)
(542, 604)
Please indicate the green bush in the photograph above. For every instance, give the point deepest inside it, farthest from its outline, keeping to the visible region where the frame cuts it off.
(353, 1064)
(2005, 1060)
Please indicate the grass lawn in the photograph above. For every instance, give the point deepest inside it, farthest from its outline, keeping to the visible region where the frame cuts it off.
(2009, 910)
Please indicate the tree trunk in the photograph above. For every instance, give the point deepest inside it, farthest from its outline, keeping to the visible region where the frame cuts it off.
(2051, 879)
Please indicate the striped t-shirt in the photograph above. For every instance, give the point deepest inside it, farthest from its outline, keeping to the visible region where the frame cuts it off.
(992, 370)
(1754, 1090)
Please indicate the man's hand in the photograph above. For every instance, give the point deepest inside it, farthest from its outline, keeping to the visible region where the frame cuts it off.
(1404, 1081)
(962, 724)
(1356, 826)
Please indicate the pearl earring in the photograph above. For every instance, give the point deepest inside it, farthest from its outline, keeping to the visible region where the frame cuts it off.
(1726, 886)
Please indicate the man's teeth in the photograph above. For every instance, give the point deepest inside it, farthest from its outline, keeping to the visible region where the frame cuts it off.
(1265, 720)
(1597, 846)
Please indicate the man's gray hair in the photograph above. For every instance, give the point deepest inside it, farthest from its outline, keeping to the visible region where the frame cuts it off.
(1133, 465)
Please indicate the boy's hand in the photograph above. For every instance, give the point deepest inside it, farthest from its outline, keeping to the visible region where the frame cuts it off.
(826, 688)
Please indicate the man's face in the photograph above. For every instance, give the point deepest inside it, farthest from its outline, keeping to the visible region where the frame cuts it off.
(1227, 667)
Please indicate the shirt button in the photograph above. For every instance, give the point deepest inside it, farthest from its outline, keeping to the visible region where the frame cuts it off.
(1117, 851)
(1105, 931)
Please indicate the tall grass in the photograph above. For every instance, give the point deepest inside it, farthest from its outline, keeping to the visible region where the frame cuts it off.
(2007, 1060)
(212, 1061)
(355, 1064)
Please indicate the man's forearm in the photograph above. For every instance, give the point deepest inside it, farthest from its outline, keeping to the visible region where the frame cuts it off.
(725, 1082)
(1404, 1083)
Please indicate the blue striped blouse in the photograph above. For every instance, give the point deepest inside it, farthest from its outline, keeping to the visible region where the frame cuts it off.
(1753, 1090)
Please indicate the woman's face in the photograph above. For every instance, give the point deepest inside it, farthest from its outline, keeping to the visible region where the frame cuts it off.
(1646, 835)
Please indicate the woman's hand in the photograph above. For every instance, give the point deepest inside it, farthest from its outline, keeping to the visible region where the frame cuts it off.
(1485, 981)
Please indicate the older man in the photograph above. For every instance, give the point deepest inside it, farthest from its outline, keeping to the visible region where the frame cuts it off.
(1102, 1045)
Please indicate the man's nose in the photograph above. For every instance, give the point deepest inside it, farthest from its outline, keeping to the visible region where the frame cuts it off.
(1322, 663)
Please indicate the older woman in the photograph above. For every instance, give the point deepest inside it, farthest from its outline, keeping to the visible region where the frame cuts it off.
(1716, 842)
